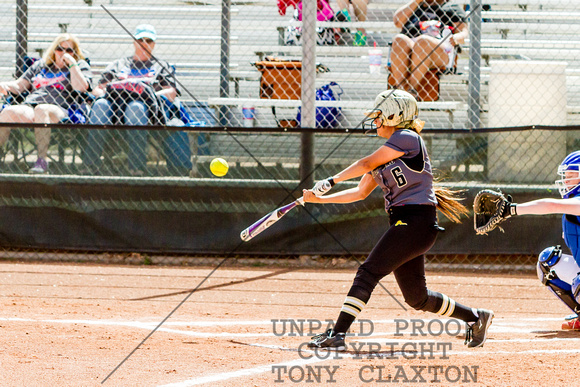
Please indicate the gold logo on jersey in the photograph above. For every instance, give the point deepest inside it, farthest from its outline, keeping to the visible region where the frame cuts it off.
(400, 223)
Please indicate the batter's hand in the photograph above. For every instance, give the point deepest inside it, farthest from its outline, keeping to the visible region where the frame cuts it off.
(309, 196)
(323, 186)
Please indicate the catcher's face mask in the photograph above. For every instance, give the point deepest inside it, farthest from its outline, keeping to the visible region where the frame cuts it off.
(569, 184)
(569, 172)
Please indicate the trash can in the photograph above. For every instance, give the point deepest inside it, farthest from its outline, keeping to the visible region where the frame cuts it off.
(523, 93)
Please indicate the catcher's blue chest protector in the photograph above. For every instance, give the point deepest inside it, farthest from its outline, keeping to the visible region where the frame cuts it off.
(571, 228)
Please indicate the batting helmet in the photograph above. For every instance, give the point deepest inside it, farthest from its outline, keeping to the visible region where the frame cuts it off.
(395, 108)
(569, 186)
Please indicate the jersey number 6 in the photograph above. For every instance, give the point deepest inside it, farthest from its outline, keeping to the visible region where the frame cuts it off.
(399, 177)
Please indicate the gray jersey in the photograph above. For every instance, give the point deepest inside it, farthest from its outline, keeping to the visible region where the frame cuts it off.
(52, 85)
(408, 179)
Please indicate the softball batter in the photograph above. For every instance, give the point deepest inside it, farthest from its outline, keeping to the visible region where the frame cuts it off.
(401, 167)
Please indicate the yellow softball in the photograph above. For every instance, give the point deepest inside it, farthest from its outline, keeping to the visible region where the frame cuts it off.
(219, 167)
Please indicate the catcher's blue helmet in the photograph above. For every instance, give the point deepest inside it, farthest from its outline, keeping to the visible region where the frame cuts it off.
(550, 255)
(566, 185)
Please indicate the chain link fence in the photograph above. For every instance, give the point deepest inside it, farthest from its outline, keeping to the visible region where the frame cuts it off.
(264, 69)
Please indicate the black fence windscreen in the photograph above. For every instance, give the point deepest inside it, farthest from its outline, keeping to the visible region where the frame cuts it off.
(111, 113)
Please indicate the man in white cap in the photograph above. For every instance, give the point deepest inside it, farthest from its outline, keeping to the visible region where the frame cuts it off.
(129, 88)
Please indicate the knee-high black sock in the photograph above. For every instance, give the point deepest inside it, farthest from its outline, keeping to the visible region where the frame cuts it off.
(354, 303)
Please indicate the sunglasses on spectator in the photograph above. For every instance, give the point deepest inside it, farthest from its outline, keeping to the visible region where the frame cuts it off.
(68, 50)
(146, 40)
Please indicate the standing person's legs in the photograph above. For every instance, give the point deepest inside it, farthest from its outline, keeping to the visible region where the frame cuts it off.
(411, 279)
(409, 236)
(101, 114)
(136, 114)
(397, 246)
(412, 233)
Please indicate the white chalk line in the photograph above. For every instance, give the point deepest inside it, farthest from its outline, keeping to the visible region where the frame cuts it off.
(154, 323)
(312, 358)
(504, 326)
(337, 356)
(241, 373)
(143, 325)
(499, 326)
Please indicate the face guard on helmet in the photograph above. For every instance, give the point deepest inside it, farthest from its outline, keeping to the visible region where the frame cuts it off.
(569, 171)
(393, 108)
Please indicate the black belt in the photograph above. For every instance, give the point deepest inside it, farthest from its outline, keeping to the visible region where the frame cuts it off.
(412, 208)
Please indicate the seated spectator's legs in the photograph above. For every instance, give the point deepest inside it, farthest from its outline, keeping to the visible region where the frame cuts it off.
(45, 114)
(101, 114)
(421, 61)
(19, 113)
(401, 60)
(136, 114)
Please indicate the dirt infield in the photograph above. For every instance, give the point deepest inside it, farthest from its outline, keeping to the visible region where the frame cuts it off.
(72, 325)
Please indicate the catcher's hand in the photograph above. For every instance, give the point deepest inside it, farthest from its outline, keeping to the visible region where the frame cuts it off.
(490, 208)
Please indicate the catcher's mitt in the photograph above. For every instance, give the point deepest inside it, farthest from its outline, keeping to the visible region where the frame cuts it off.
(490, 208)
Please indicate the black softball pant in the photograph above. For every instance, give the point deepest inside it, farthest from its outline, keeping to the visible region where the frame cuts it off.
(401, 250)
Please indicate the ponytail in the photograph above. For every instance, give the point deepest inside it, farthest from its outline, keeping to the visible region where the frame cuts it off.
(448, 203)
(415, 125)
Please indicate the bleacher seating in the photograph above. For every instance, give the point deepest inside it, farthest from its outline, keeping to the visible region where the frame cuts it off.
(512, 28)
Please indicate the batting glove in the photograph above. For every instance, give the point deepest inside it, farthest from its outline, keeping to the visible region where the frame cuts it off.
(323, 186)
